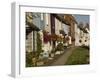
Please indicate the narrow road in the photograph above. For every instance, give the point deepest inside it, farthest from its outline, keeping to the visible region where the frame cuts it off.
(62, 60)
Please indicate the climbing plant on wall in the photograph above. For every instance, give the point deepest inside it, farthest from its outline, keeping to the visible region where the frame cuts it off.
(39, 44)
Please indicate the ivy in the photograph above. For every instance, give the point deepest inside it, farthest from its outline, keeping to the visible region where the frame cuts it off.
(39, 45)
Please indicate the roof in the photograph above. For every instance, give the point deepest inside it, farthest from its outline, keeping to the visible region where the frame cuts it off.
(61, 18)
(70, 18)
(33, 27)
(65, 18)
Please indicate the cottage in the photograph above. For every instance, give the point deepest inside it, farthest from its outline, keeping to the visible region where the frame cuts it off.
(81, 35)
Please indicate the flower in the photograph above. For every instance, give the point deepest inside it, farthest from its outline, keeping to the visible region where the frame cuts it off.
(46, 37)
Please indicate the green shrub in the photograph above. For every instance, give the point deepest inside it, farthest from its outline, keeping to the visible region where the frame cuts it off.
(60, 47)
(35, 54)
(29, 57)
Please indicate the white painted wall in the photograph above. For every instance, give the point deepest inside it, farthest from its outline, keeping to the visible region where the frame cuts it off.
(47, 26)
(66, 28)
(77, 35)
(58, 26)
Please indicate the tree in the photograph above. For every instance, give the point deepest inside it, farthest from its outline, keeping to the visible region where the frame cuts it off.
(81, 25)
(87, 25)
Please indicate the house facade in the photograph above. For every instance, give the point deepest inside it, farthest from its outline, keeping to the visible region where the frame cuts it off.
(50, 30)
(33, 23)
(82, 36)
(78, 35)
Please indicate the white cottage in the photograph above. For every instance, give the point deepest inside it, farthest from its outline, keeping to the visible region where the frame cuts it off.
(82, 36)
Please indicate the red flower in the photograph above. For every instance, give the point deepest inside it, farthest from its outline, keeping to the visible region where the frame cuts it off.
(46, 37)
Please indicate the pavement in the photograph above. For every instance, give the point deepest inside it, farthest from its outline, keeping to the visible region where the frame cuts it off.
(63, 58)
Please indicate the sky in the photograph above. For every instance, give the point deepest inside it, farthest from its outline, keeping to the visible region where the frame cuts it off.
(81, 18)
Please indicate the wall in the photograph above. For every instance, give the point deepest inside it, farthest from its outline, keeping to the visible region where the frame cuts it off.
(5, 40)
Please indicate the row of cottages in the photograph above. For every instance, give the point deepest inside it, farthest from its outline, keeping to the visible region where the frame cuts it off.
(82, 35)
(42, 28)
(60, 26)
